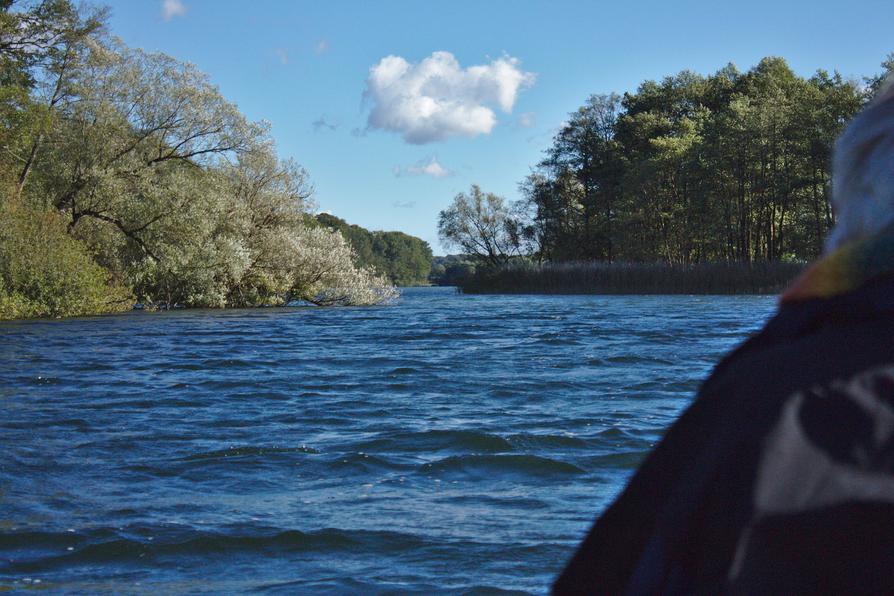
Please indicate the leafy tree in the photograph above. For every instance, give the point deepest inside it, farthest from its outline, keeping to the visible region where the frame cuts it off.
(874, 83)
(586, 148)
(139, 125)
(483, 225)
(452, 270)
(42, 45)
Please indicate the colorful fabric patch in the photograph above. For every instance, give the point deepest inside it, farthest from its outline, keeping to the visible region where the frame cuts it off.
(846, 269)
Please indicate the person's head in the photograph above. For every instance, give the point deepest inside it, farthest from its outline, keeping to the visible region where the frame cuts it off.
(863, 172)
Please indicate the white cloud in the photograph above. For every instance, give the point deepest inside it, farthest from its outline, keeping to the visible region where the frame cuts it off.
(425, 167)
(437, 98)
(322, 46)
(172, 8)
(403, 204)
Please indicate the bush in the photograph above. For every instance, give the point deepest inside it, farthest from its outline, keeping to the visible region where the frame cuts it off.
(44, 272)
(452, 270)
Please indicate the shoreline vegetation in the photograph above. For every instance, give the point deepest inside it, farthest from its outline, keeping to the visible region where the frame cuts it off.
(127, 178)
(766, 277)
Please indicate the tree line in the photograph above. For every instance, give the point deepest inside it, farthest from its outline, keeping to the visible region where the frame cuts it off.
(730, 167)
(403, 259)
(125, 175)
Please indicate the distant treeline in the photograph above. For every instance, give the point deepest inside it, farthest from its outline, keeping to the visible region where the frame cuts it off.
(764, 277)
(126, 175)
(728, 167)
(405, 260)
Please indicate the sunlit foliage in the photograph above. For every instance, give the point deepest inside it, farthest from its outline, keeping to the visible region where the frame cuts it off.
(728, 167)
(153, 176)
(405, 260)
(47, 273)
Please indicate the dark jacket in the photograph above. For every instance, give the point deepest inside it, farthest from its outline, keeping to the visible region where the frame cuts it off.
(780, 476)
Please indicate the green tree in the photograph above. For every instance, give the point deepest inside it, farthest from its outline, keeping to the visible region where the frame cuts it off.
(42, 46)
(874, 83)
(727, 167)
(483, 225)
(586, 147)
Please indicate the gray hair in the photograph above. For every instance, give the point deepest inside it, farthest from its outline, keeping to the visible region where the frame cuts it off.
(863, 172)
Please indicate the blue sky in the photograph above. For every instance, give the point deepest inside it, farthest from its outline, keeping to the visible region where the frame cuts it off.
(295, 64)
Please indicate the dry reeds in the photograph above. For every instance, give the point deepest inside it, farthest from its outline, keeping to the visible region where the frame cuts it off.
(768, 277)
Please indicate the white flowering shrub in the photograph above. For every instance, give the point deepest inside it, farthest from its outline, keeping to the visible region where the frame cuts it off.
(323, 272)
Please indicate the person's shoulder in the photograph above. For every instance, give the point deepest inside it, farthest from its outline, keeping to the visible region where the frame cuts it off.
(802, 391)
(810, 344)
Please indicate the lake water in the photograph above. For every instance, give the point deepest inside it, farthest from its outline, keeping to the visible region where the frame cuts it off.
(448, 443)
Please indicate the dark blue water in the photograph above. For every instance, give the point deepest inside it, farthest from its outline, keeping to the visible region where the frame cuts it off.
(451, 443)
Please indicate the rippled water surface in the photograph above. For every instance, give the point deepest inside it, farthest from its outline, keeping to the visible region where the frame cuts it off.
(448, 443)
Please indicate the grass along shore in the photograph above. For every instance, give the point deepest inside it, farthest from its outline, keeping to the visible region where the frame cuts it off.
(633, 278)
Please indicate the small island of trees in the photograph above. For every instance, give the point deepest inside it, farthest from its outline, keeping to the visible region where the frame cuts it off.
(695, 183)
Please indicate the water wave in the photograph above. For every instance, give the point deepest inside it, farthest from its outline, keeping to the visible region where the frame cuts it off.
(526, 465)
(246, 451)
(438, 440)
(105, 545)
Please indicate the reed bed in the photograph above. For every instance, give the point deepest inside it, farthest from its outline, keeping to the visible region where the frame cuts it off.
(633, 278)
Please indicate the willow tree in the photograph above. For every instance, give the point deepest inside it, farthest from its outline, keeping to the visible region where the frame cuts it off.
(482, 225)
(181, 197)
(282, 254)
(134, 127)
